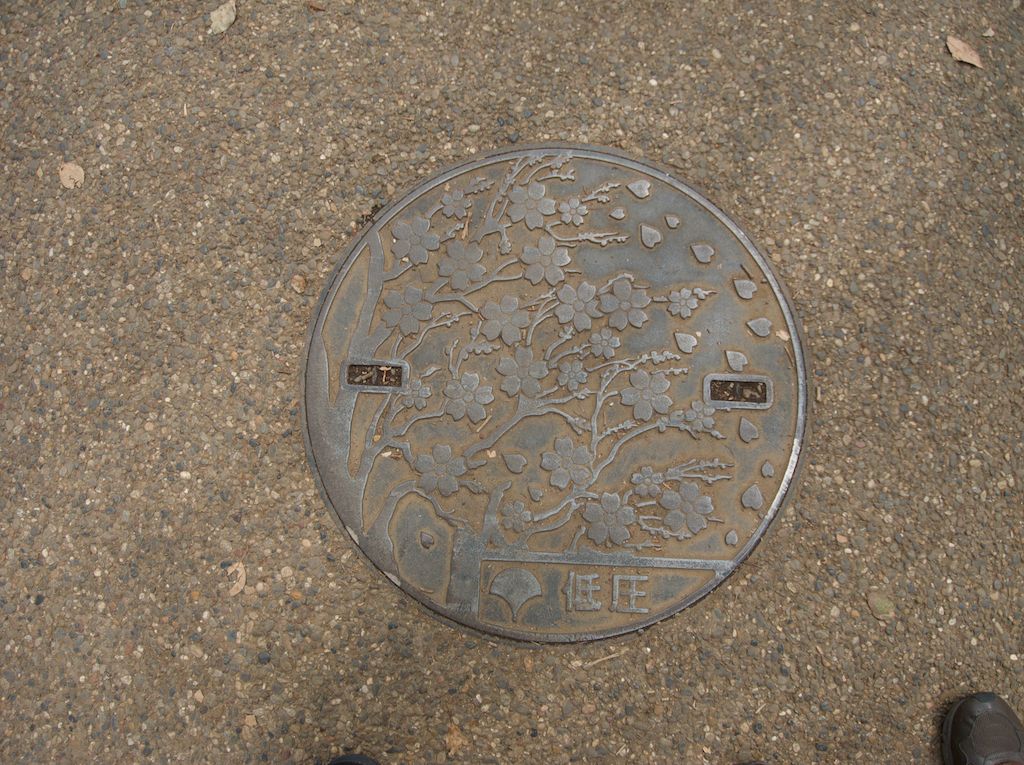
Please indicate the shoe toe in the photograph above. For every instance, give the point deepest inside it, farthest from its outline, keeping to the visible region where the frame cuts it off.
(983, 727)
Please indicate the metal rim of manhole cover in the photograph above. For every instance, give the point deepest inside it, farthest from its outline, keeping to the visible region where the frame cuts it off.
(554, 394)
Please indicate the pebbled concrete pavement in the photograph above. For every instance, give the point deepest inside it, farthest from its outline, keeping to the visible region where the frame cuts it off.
(152, 321)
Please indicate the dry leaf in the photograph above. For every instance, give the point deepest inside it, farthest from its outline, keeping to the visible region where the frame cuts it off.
(963, 52)
(990, 32)
(882, 606)
(454, 740)
(239, 584)
(222, 18)
(72, 176)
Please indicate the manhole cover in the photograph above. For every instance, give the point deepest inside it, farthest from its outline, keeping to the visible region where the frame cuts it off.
(554, 394)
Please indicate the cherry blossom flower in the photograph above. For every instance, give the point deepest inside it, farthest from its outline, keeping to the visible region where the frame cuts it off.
(573, 211)
(567, 462)
(406, 309)
(455, 204)
(700, 416)
(686, 507)
(461, 264)
(647, 482)
(413, 239)
(608, 520)
(545, 261)
(439, 470)
(624, 304)
(505, 318)
(577, 305)
(603, 343)
(466, 396)
(515, 516)
(682, 303)
(646, 394)
(530, 202)
(571, 374)
(417, 395)
(522, 373)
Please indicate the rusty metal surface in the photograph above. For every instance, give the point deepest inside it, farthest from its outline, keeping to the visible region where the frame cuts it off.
(554, 394)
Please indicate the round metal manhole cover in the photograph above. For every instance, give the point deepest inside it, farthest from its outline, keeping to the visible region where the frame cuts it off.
(554, 394)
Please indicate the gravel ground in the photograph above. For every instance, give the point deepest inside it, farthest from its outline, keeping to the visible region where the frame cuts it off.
(151, 330)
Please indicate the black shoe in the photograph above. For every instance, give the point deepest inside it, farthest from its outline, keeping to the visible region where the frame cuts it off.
(982, 730)
(352, 759)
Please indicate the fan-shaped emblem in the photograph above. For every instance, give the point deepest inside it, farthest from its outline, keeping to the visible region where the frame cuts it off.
(515, 586)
